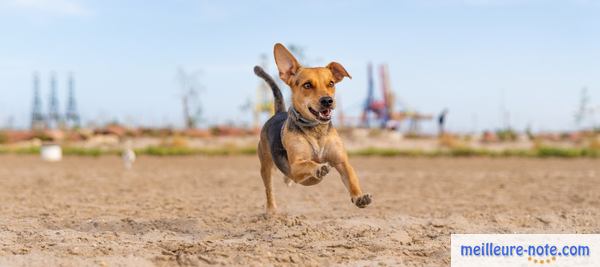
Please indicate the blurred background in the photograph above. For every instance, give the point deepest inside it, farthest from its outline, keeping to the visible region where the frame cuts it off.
(433, 76)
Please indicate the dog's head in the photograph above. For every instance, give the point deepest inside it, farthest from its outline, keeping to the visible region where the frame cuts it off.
(313, 89)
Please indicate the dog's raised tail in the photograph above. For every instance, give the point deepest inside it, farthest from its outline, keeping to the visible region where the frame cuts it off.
(278, 97)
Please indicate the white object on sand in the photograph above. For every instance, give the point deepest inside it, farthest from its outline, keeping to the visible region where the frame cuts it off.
(51, 152)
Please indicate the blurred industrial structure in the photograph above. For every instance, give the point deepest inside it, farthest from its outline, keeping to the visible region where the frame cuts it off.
(383, 111)
(38, 121)
(72, 118)
(54, 119)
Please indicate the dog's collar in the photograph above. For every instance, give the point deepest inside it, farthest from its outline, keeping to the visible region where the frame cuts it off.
(301, 121)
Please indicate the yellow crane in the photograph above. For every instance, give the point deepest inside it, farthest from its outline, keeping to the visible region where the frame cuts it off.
(264, 98)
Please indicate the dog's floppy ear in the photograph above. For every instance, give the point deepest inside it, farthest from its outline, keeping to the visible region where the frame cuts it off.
(338, 71)
(286, 63)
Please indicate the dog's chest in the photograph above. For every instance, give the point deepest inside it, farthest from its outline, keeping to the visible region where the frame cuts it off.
(318, 147)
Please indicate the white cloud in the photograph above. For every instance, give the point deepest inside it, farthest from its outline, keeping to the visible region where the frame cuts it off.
(52, 7)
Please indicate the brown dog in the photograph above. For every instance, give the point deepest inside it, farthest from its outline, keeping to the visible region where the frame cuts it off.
(301, 142)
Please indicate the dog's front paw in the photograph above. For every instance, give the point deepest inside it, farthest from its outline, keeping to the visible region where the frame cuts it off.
(322, 171)
(362, 201)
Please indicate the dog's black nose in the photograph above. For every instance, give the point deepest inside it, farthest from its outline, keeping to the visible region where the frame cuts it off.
(326, 101)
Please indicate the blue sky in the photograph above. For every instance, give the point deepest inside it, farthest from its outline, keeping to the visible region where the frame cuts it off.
(466, 55)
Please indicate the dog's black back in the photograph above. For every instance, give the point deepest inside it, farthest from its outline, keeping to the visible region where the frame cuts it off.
(273, 132)
(272, 128)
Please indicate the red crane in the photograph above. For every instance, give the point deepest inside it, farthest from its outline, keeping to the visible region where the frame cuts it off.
(383, 109)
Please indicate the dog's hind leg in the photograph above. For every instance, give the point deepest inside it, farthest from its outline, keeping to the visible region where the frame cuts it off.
(266, 167)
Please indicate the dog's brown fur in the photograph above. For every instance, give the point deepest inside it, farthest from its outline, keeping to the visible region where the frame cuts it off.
(310, 150)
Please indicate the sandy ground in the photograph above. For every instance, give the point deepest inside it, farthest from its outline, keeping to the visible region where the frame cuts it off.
(209, 210)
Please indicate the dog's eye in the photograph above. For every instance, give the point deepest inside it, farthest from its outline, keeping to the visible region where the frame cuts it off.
(331, 84)
(307, 85)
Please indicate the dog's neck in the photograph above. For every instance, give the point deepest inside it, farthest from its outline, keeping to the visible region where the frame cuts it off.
(311, 127)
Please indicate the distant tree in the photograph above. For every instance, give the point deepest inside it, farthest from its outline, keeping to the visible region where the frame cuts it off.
(190, 87)
(300, 53)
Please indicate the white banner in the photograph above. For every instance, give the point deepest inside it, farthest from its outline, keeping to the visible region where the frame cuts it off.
(506, 250)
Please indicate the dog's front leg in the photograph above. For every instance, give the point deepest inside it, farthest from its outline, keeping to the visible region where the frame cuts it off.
(303, 169)
(338, 158)
(308, 172)
(350, 180)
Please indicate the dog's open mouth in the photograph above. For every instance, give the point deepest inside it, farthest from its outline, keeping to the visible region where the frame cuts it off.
(322, 115)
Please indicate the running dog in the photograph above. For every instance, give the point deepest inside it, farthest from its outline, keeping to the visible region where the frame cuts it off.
(301, 141)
